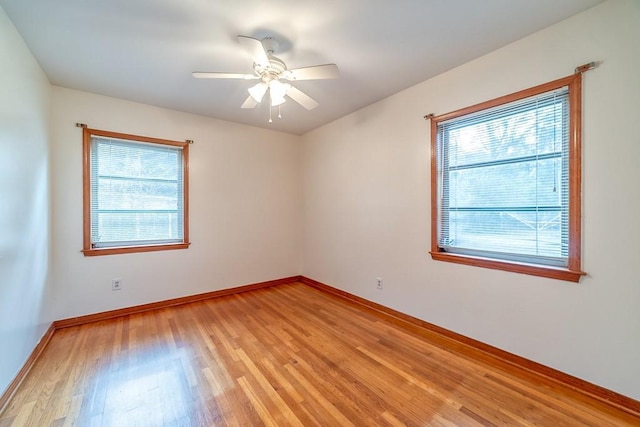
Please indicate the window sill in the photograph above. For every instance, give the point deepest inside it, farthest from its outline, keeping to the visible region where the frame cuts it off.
(530, 269)
(134, 249)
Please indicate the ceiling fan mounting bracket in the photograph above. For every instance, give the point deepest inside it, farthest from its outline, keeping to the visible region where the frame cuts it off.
(270, 45)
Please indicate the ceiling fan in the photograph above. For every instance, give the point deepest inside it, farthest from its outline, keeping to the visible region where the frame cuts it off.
(271, 71)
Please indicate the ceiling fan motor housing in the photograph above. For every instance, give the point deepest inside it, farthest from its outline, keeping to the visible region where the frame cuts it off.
(273, 71)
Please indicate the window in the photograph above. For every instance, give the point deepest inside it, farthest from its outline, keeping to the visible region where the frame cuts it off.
(506, 181)
(135, 193)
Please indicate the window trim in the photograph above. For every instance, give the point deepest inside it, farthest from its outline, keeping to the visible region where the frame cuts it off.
(573, 271)
(88, 250)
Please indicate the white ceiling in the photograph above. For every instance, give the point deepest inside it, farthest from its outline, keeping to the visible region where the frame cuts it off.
(145, 50)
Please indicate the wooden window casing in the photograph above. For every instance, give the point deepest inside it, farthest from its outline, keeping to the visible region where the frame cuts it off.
(89, 247)
(572, 271)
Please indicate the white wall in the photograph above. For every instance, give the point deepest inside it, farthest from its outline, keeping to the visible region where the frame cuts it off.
(245, 204)
(25, 310)
(367, 214)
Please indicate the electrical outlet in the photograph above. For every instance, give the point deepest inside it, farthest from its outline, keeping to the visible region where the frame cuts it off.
(379, 283)
(116, 284)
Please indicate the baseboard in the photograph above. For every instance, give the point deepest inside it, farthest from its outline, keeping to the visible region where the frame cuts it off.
(470, 345)
(105, 315)
(28, 364)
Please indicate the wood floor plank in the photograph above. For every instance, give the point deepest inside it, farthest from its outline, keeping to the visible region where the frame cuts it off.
(284, 355)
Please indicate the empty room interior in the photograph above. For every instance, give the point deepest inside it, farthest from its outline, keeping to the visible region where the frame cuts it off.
(319, 213)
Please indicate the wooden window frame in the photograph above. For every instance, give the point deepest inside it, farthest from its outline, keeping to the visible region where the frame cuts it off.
(573, 271)
(88, 249)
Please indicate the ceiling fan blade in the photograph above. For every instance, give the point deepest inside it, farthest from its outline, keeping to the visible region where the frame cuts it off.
(249, 103)
(213, 75)
(302, 98)
(255, 49)
(317, 72)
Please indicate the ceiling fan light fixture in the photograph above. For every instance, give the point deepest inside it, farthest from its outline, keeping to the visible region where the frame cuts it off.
(277, 91)
(257, 92)
(275, 101)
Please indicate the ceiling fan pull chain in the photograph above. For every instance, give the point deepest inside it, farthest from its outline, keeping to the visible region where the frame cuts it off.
(279, 114)
(270, 121)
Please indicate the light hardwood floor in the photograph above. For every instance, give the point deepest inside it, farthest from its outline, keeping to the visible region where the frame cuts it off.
(286, 355)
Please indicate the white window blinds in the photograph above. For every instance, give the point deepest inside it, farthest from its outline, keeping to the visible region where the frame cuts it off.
(503, 177)
(136, 192)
